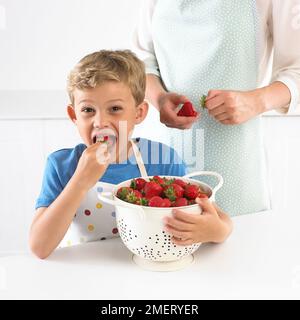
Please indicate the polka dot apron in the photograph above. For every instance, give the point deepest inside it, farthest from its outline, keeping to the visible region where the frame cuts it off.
(202, 45)
(95, 220)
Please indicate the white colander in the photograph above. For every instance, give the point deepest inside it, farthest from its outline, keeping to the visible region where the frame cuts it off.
(141, 228)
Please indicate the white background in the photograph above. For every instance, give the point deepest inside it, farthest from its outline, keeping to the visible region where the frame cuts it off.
(40, 41)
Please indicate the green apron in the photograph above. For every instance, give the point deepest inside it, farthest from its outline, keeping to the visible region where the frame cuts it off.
(211, 44)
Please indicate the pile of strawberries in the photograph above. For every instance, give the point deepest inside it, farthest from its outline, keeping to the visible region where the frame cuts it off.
(160, 192)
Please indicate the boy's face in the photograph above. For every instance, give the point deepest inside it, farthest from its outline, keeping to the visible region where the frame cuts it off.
(109, 109)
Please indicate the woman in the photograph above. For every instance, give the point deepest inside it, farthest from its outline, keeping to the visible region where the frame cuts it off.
(222, 49)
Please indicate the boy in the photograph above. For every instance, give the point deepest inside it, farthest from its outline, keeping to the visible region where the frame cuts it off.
(107, 90)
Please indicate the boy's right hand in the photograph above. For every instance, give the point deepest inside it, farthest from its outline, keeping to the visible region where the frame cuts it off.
(167, 105)
(92, 165)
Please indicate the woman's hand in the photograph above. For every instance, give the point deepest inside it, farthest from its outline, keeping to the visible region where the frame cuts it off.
(92, 165)
(187, 228)
(167, 106)
(234, 107)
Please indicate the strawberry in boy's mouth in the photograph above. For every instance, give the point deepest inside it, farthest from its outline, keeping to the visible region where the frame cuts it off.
(105, 136)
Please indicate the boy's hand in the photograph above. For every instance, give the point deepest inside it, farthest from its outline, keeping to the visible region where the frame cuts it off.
(167, 105)
(92, 165)
(187, 228)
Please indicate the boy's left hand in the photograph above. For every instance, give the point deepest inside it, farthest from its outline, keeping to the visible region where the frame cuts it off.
(187, 228)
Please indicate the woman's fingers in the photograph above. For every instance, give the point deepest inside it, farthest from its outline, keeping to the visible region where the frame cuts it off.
(214, 102)
(222, 117)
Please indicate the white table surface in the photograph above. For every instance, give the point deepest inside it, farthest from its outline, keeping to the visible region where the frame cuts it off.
(261, 260)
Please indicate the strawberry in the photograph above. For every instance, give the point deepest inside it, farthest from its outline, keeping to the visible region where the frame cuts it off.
(191, 191)
(158, 179)
(152, 189)
(166, 203)
(173, 191)
(187, 110)
(138, 183)
(123, 192)
(142, 202)
(156, 201)
(203, 101)
(133, 196)
(167, 181)
(181, 183)
(180, 202)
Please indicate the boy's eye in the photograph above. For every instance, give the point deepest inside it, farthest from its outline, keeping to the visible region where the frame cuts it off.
(115, 108)
(87, 109)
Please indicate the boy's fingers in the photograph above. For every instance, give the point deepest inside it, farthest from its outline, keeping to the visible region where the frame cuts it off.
(185, 217)
(207, 206)
(178, 224)
(182, 242)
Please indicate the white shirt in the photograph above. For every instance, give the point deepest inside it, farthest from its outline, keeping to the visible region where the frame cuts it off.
(279, 44)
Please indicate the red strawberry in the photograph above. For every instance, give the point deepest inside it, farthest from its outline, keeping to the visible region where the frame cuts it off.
(158, 180)
(173, 191)
(142, 202)
(123, 192)
(152, 189)
(138, 183)
(133, 196)
(180, 202)
(180, 182)
(187, 110)
(156, 201)
(166, 203)
(191, 191)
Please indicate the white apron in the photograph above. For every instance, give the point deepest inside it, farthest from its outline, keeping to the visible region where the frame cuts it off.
(211, 44)
(95, 220)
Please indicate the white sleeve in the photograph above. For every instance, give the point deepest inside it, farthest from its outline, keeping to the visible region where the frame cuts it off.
(285, 29)
(142, 43)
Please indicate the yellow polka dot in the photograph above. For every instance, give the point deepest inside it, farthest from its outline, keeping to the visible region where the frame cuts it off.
(69, 243)
(98, 205)
(91, 227)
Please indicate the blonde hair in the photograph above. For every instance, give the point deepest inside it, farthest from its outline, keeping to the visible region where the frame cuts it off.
(106, 65)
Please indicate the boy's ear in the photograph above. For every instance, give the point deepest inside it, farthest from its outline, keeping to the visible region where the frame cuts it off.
(141, 113)
(71, 113)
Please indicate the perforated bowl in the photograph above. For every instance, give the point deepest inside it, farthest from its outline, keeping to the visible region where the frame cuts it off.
(141, 228)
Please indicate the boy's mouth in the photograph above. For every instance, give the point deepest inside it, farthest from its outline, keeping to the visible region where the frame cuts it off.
(104, 137)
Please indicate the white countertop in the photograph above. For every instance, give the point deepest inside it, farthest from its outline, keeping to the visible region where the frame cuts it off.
(260, 260)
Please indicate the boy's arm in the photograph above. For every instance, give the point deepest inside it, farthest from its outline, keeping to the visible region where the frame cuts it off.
(50, 224)
(213, 225)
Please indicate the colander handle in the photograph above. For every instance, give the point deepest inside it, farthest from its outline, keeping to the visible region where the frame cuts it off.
(208, 173)
(106, 197)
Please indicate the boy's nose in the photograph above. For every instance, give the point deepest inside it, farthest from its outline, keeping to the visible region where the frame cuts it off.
(101, 122)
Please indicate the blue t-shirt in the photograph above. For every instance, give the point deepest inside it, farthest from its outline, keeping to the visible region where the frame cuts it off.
(159, 159)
